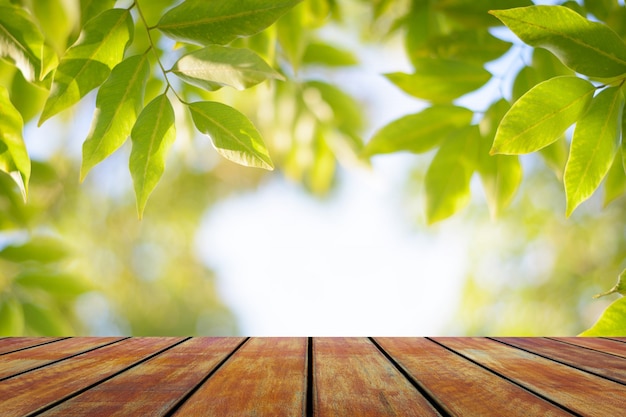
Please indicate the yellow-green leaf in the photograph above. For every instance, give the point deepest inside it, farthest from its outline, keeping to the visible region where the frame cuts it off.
(14, 158)
(418, 132)
(542, 115)
(590, 48)
(615, 184)
(232, 134)
(216, 66)
(594, 145)
(448, 177)
(221, 21)
(612, 322)
(440, 80)
(153, 134)
(118, 103)
(88, 63)
(21, 40)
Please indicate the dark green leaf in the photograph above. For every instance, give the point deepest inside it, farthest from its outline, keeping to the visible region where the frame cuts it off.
(419, 132)
(216, 66)
(14, 159)
(88, 63)
(448, 177)
(542, 115)
(473, 13)
(221, 21)
(328, 55)
(92, 8)
(40, 249)
(21, 40)
(594, 145)
(118, 103)
(152, 135)
(590, 48)
(601, 9)
(441, 80)
(233, 135)
(612, 322)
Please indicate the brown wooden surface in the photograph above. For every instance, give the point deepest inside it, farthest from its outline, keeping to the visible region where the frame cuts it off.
(312, 377)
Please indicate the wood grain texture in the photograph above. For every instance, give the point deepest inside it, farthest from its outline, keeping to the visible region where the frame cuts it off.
(24, 360)
(265, 377)
(11, 344)
(578, 357)
(579, 391)
(153, 388)
(602, 345)
(463, 388)
(352, 378)
(32, 391)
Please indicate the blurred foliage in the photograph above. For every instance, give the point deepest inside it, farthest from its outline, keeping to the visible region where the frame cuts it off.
(262, 93)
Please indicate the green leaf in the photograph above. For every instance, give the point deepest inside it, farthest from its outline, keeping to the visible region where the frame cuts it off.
(59, 285)
(45, 321)
(611, 323)
(501, 175)
(594, 145)
(88, 62)
(619, 288)
(153, 134)
(21, 40)
(542, 115)
(440, 80)
(615, 184)
(14, 158)
(473, 13)
(118, 103)
(477, 46)
(216, 66)
(601, 9)
(292, 35)
(447, 180)
(27, 98)
(328, 55)
(56, 20)
(220, 21)
(548, 65)
(346, 113)
(589, 48)
(233, 135)
(555, 156)
(92, 8)
(419, 132)
(42, 249)
(11, 317)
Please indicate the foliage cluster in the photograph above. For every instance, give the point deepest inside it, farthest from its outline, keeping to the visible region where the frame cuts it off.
(159, 69)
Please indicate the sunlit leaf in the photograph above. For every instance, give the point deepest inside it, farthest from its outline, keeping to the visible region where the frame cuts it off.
(615, 184)
(478, 46)
(594, 145)
(21, 40)
(220, 21)
(329, 55)
(11, 317)
(542, 115)
(292, 35)
(118, 103)
(448, 177)
(56, 19)
(440, 80)
(216, 66)
(152, 135)
(27, 98)
(345, 112)
(601, 9)
(233, 135)
(323, 168)
(88, 63)
(612, 322)
(42, 249)
(60, 285)
(501, 175)
(555, 156)
(587, 47)
(92, 8)
(14, 158)
(548, 65)
(418, 132)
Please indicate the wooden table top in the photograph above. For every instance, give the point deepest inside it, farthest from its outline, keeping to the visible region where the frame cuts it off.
(202, 376)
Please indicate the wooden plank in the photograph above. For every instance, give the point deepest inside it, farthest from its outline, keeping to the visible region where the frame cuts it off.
(36, 390)
(11, 344)
(266, 377)
(35, 357)
(461, 387)
(353, 378)
(154, 387)
(576, 390)
(603, 345)
(578, 357)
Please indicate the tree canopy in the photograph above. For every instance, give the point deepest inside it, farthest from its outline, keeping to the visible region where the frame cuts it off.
(248, 77)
